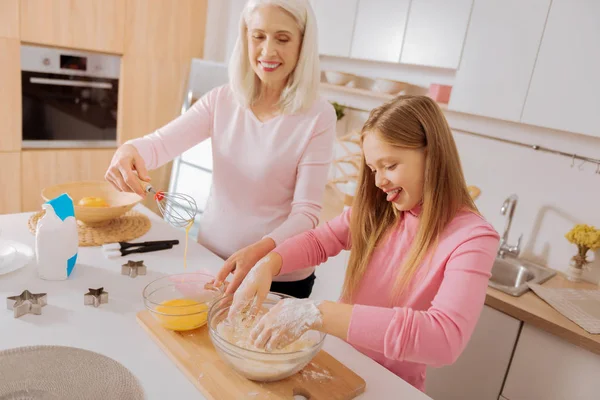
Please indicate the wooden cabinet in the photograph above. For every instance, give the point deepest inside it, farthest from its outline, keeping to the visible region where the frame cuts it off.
(10, 95)
(565, 88)
(10, 176)
(498, 57)
(335, 21)
(159, 29)
(546, 367)
(9, 19)
(42, 168)
(379, 29)
(480, 370)
(435, 32)
(96, 25)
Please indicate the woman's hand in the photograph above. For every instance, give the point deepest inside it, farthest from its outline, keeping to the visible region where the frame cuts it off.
(241, 262)
(121, 170)
(285, 323)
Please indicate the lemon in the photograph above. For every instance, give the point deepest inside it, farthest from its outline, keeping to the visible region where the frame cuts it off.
(92, 202)
(179, 318)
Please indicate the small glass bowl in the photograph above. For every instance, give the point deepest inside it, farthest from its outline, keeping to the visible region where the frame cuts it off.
(258, 365)
(181, 302)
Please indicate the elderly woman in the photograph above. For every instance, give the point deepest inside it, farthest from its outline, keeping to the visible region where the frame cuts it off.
(272, 142)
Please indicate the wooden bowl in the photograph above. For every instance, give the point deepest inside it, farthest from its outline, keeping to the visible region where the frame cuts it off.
(118, 202)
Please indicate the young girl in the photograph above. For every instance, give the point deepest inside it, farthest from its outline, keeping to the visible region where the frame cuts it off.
(420, 258)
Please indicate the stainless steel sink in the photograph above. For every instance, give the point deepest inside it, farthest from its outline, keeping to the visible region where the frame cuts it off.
(511, 275)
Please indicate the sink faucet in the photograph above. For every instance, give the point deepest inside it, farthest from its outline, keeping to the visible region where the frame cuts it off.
(505, 249)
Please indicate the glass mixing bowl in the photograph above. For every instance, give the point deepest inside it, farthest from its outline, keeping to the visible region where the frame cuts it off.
(181, 302)
(258, 365)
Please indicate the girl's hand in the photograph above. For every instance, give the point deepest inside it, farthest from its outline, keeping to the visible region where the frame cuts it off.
(256, 285)
(241, 262)
(285, 323)
(121, 170)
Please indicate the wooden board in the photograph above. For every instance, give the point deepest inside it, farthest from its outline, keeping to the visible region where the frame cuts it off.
(193, 352)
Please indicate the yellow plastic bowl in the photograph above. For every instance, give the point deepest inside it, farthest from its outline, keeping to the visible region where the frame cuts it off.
(118, 202)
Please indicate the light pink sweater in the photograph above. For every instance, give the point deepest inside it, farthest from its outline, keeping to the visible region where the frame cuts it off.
(434, 320)
(268, 177)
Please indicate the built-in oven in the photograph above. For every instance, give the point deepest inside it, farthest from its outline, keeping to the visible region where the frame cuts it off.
(70, 98)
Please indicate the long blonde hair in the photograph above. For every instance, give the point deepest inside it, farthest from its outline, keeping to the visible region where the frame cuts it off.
(412, 122)
(302, 88)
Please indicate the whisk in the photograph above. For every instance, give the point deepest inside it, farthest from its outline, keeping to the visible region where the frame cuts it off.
(178, 209)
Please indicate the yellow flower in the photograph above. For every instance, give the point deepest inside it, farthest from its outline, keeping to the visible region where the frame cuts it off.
(584, 236)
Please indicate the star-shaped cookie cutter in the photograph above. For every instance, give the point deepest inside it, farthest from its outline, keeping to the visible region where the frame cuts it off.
(27, 303)
(95, 297)
(133, 268)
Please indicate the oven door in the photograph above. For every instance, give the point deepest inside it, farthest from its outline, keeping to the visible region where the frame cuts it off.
(62, 110)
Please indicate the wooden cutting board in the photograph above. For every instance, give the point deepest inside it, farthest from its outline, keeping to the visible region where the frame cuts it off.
(193, 352)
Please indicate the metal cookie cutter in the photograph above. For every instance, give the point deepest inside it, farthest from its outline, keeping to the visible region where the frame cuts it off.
(133, 268)
(27, 303)
(95, 297)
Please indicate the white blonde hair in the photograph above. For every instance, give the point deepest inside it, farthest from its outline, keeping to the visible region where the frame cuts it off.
(302, 88)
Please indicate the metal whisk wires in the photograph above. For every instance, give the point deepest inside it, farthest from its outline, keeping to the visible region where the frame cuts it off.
(178, 209)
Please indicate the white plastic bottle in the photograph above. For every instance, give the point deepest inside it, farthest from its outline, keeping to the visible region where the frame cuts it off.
(56, 239)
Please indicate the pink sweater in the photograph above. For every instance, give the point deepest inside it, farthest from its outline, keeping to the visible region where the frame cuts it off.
(433, 322)
(268, 177)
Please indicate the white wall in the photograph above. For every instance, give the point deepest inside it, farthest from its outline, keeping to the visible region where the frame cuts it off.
(552, 195)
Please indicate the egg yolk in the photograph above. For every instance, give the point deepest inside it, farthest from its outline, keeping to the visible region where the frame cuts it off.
(179, 318)
(92, 202)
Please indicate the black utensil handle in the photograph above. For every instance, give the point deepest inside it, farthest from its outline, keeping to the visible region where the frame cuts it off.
(147, 249)
(126, 245)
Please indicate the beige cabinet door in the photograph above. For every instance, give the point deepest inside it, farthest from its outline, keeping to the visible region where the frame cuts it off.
(480, 370)
(9, 19)
(10, 176)
(43, 168)
(97, 25)
(547, 367)
(10, 95)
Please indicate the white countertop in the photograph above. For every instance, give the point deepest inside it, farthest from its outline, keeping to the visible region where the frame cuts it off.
(112, 329)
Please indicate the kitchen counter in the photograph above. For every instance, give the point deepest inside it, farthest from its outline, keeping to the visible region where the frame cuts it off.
(112, 329)
(531, 309)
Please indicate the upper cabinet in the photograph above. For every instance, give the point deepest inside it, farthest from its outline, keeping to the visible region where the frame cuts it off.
(379, 29)
(9, 19)
(169, 30)
(435, 32)
(565, 87)
(335, 22)
(96, 25)
(498, 57)
(10, 95)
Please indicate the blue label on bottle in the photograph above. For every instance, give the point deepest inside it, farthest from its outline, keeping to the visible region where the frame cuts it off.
(71, 264)
(63, 206)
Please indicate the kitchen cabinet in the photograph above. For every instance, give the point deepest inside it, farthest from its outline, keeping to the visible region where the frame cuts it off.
(379, 29)
(159, 29)
(10, 95)
(96, 25)
(480, 370)
(546, 367)
(335, 21)
(156, 100)
(498, 58)
(10, 176)
(9, 19)
(564, 90)
(42, 168)
(435, 32)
